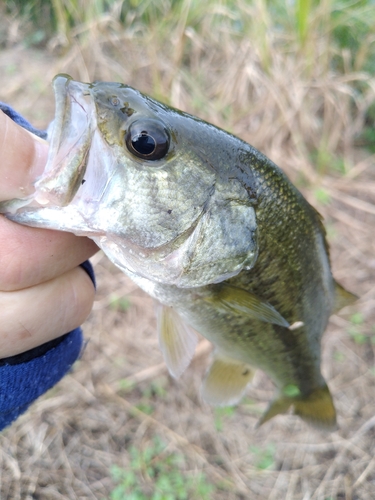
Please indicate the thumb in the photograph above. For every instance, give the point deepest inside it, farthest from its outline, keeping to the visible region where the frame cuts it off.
(23, 157)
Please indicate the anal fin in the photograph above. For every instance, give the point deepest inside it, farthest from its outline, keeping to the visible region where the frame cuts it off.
(226, 381)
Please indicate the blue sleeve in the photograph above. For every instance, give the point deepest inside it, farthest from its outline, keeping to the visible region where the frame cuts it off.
(26, 376)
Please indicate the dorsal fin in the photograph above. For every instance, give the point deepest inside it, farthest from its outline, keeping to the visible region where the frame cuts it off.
(226, 381)
(176, 339)
(343, 298)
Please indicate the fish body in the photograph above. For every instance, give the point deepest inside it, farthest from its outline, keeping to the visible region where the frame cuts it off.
(204, 223)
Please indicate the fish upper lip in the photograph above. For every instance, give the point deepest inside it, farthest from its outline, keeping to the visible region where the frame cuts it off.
(70, 141)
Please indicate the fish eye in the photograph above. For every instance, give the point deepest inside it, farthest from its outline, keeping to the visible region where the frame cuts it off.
(147, 139)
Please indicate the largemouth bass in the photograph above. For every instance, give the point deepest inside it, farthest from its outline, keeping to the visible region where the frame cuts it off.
(204, 223)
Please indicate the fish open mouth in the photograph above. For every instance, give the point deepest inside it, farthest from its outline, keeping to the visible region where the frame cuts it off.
(70, 141)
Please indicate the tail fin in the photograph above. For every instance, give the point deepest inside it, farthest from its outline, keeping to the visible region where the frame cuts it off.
(317, 409)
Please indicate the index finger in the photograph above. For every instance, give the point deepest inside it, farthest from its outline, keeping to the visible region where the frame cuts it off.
(23, 157)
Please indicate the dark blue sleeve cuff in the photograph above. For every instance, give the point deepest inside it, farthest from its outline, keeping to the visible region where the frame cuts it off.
(16, 117)
(21, 384)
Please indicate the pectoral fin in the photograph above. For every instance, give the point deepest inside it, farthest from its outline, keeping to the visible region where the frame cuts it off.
(239, 300)
(317, 409)
(176, 339)
(226, 381)
(343, 298)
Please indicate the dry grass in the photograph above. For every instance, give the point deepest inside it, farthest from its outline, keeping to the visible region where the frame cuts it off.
(306, 118)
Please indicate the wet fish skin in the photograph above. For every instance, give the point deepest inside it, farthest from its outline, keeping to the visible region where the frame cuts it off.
(213, 230)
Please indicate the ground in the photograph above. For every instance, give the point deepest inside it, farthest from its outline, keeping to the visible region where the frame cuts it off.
(118, 420)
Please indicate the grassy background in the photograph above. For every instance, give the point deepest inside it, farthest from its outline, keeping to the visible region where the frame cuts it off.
(296, 80)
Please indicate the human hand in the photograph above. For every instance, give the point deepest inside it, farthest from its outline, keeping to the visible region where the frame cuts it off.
(43, 292)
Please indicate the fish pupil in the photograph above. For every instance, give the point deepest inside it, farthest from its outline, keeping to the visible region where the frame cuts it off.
(148, 139)
(144, 143)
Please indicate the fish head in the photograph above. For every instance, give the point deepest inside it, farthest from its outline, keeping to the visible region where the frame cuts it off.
(150, 184)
